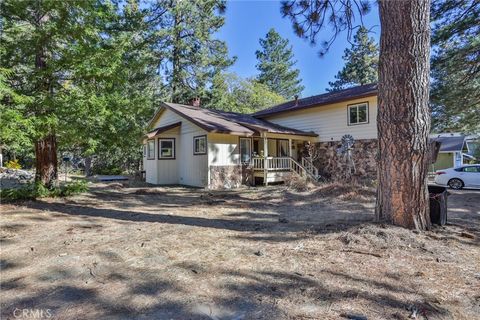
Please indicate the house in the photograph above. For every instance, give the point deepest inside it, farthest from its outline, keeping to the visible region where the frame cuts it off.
(454, 151)
(193, 146)
(190, 145)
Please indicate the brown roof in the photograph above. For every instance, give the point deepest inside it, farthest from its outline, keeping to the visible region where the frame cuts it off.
(322, 99)
(159, 130)
(216, 121)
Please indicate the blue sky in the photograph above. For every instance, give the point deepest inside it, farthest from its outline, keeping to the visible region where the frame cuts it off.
(247, 21)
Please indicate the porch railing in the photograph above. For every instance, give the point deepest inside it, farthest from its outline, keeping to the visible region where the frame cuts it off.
(308, 165)
(284, 164)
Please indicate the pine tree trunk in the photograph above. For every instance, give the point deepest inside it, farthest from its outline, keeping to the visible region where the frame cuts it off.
(46, 160)
(88, 166)
(403, 113)
(175, 61)
(46, 147)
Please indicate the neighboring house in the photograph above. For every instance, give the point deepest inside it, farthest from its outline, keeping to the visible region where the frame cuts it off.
(454, 151)
(473, 145)
(193, 146)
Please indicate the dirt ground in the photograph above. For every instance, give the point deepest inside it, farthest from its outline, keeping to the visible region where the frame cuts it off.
(122, 252)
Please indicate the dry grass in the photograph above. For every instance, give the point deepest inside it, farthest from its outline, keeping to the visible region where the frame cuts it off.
(138, 252)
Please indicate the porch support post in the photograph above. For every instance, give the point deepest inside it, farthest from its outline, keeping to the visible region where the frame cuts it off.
(265, 154)
(290, 148)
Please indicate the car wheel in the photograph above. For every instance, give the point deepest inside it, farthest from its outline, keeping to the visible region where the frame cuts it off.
(455, 184)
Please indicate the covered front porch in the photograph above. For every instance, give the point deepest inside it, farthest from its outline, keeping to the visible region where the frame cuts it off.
(273, 157)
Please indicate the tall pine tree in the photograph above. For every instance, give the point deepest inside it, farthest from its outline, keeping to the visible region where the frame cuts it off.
(189, 56)
(361, 63)
(77, 66)
(403, 92)
(276, 65)
(455, 95)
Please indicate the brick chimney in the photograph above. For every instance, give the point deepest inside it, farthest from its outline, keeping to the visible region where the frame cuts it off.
(196, 102)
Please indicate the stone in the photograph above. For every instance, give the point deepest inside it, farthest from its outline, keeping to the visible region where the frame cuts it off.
(332, 164)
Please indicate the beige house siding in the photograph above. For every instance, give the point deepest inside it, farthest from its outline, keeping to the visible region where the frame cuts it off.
(186, 168)
(223, 150)
(150, 167)
(330, 122)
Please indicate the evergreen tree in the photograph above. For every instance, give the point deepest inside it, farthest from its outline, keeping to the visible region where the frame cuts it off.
(276, 65)
(75, 62)
(403, 92)
(189, 56)
(455, 95)
(361, 63)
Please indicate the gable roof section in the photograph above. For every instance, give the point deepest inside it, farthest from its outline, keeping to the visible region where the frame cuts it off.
(159, 130)
(450, 144)
(216, 121)
(367, 90)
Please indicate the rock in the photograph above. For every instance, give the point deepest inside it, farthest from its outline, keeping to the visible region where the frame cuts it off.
(352, 316)
(12, 178)
(467, 235)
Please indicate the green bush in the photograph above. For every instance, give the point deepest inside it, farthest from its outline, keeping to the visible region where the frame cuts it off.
(32, 191)
(74, 187)
(108, 170)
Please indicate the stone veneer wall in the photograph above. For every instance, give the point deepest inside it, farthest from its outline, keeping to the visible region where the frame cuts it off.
(228, 177)
(332, 165)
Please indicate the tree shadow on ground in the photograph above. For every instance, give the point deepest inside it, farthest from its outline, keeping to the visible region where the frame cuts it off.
(246, 294)
(242, 221)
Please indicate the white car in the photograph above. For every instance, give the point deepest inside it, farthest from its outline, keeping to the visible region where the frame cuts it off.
(467, 176)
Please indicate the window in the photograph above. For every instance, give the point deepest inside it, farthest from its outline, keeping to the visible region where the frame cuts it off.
(151, 149)
(282, 148)
(245, 150)
(200, 145)
(358, 113)
(166, 148)
(471, 169)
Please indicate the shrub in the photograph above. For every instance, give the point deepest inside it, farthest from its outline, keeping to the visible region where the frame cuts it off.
(32, 191)
(74, 187)
(13, 164)
(111, 170)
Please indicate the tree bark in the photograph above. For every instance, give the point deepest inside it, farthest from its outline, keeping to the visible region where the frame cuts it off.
(176, 61)
(46, 147)
(403, 113)
(88, 166)
(46, 160)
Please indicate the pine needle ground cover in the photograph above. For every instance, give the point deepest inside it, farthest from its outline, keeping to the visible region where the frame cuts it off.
(125, 251)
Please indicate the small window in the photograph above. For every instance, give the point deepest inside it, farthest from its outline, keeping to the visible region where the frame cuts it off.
(166, 148)
(200, 145)
(245, 150)
(358, 114)
(471, 169)
(151, 149)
